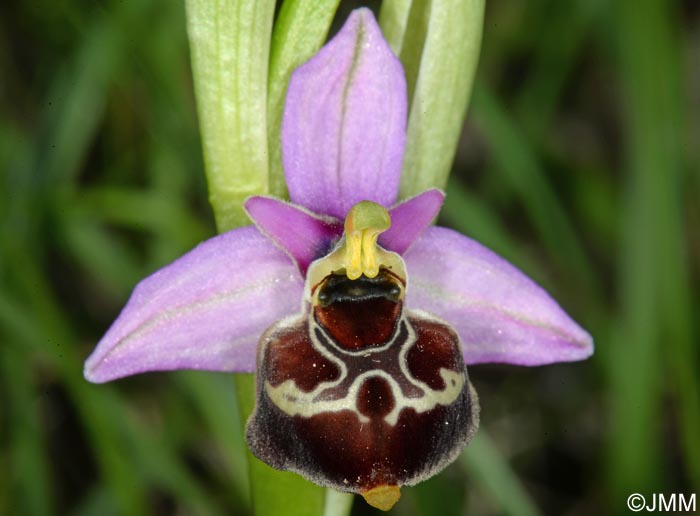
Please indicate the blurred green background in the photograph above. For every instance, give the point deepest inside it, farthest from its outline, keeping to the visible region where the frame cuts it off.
(580, 163)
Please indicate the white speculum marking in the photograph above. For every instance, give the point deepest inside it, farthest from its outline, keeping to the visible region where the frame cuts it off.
(294, 402)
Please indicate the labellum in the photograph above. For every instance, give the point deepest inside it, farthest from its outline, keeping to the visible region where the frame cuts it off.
(359, 393)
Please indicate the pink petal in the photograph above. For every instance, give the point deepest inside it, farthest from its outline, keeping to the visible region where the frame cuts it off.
(303, 235)
(344, 124)
(500, 314)
(410, 218)
(206, 310)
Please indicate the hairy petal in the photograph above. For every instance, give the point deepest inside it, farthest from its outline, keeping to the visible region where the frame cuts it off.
(500, 314)
(344, 124)
(303, 235)
(410, 218)
(206, 310)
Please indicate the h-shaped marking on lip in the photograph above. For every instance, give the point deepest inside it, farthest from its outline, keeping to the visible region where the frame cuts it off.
(337, 395)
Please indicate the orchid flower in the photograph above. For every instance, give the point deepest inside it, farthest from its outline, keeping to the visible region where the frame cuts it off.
(356, 313)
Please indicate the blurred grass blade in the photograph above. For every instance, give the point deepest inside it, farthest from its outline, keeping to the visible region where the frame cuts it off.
(27, 457)
(657, 323)
(210, 393)
(275, 492)
(159, 212)
(32, 328)
(96, 250)
(522, 172)
(76, 101)
(441, 495)
(132, 457)
(471, 216)
(556, 57)
(97, 501)
(158, 462)
(486, 466)
(300, 30)
(440, 60)
(230, 45)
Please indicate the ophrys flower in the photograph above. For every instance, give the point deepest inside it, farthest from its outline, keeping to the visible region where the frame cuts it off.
(376, 307)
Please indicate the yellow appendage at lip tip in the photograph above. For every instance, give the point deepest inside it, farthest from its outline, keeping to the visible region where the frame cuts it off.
(382, 497)
(365, 221)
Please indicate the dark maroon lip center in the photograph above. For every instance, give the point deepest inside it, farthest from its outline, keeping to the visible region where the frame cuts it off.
(361, 313)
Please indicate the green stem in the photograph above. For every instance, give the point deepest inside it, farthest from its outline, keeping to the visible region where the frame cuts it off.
(337, 503)
(231, 55)
(440, 61)
(230, 46)
(275, 492)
